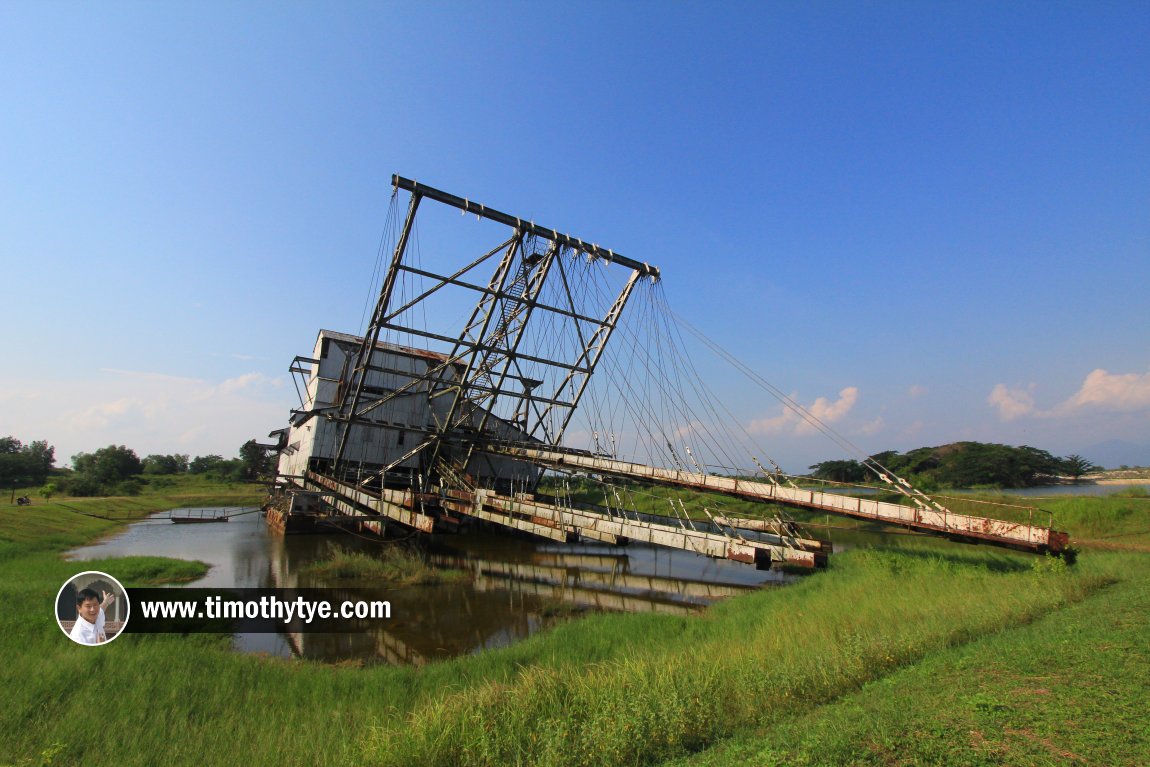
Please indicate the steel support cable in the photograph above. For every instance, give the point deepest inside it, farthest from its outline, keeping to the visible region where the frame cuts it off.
(593, 419)
(679, 414)
(604, 410)
(633, 400)
(884, 473)
(656, 500)
(653, 421)
(618, 405)
(386, 239)
(787, 401)
(607, 421)
(675, 413)
(708, 396)
(637, 402)
(630, 396)
(682, 367)
(672, 417)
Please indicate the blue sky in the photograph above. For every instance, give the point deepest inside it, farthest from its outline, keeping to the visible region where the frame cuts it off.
(942, 210)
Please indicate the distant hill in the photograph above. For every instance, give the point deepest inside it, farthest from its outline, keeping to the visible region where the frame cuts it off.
(1115, 452)
(959, 464)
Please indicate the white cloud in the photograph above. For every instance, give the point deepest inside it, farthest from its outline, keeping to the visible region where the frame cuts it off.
(1107, 391)
(916, 391)
(1011, 403)
(1102, 391)
(101, 415)
(248, 380)
(790, 421)
(148, 412)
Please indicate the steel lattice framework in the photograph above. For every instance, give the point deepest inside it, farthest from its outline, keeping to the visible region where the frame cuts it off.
(496, 403)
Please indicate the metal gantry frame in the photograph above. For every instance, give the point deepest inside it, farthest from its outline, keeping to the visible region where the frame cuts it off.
(488, 366)
(485, 360)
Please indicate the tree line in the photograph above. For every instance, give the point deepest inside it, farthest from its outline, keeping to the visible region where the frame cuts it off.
(117, 469)
(962, 464)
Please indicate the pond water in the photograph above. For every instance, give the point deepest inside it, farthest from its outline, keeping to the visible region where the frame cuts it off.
(515, 586)
(1083, 489)
(1030, 492)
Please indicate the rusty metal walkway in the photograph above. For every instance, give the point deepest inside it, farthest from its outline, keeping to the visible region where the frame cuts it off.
(935, 519)
(537, 515)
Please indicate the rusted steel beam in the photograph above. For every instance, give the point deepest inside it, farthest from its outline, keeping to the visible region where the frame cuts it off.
(526, 513)
(761, 554)
(395, 505)
(1018, 535)
(529, 227)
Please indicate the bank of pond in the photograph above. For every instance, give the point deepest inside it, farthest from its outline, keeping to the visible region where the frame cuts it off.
(709, 686)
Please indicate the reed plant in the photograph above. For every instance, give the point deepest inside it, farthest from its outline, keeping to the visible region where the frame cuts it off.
(394, 564)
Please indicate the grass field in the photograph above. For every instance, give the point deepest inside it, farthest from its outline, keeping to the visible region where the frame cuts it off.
(1067, 689)
(897, 655)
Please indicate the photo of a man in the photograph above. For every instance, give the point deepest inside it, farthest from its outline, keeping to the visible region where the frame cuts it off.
(92, 608)
(90, 619)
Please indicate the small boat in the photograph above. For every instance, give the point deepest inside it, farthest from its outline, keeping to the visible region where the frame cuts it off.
(188, 518)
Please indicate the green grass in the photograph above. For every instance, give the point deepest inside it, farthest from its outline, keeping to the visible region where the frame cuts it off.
(395, 565)
(1067, 689)
(65, 522)
(604, 689)
(746, 662)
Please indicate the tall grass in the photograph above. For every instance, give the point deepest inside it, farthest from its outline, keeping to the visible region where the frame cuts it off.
(395, 564)
(1069, 688)
(607, 689)
(744, 663)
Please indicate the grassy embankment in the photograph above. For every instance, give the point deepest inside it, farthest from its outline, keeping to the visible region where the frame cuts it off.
(929, 624)
(64, 522)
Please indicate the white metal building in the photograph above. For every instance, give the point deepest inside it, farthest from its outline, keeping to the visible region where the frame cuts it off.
(391, 430)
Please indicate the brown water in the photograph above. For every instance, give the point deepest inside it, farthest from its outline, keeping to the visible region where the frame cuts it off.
(515, 587)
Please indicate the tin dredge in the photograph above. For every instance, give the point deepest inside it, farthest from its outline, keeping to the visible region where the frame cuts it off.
(422, 426)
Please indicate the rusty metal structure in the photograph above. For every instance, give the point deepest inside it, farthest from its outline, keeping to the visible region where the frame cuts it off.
(423, 425)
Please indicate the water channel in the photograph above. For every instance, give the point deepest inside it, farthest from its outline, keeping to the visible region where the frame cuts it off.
(515, 586)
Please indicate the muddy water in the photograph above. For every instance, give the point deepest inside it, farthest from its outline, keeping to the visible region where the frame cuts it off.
(515, 587)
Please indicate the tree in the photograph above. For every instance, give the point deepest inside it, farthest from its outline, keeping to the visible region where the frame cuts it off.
(24, 465)
(202, 464)
(166, 464)
(840, 471)
(1075, 466)
(963, 464)
(254, 461)
(977, 463)
(108, 465)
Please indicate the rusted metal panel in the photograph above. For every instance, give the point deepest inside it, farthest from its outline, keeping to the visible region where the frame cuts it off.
(741, 553)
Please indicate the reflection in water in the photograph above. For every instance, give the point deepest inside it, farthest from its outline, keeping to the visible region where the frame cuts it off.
(515, 587)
